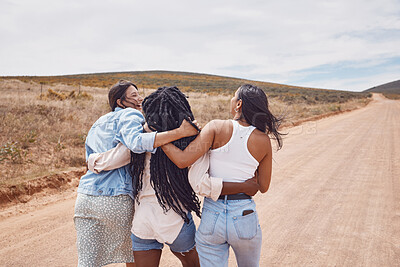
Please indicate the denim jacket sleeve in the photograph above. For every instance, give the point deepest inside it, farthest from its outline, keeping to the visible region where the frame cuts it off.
(130, 132)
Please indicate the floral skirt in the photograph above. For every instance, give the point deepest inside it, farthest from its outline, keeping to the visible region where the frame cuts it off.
(103, 226)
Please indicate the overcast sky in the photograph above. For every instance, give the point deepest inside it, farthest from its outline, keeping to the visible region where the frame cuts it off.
(345, 44)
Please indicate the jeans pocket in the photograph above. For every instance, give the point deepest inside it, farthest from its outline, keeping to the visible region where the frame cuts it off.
(246, 226)
(208, 222)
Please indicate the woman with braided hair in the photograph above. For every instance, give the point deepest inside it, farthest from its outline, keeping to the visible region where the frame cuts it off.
(164, 110)
(165, 195)
(238, 148)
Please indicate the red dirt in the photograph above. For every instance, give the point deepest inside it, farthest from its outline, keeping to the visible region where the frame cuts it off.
(23, 192)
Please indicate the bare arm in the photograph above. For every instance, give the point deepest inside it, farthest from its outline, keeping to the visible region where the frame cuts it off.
(249, 187)
(130, 133)
(265, 169)
(194, 150)
(185, 130)
(120, 155)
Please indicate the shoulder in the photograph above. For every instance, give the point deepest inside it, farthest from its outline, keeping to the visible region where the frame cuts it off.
(260, 138)
(129, 114)
(219, 124)
(106, 118)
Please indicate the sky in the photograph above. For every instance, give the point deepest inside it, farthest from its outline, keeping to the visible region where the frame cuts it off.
(345, 44)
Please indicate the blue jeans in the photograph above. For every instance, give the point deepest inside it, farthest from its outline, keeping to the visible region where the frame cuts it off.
(222, 226)
(183, 243)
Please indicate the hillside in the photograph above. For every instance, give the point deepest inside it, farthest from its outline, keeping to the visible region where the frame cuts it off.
(194, 82)
(389, 88)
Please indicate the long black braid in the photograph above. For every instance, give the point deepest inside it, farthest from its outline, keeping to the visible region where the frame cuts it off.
(165, 110)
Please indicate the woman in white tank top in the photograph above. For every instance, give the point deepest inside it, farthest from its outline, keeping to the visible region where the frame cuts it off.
(239, 149)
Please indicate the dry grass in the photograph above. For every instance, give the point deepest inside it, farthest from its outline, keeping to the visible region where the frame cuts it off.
(206, 108)
(40, 135)
(43, 131)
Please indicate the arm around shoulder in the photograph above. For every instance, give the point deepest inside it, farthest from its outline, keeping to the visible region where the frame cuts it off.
(193, 151)
(114, 158)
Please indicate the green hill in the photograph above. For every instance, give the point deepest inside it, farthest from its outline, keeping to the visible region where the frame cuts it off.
(187, 81)
(387, 88)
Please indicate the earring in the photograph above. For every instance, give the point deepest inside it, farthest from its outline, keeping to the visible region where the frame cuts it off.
(236, 110)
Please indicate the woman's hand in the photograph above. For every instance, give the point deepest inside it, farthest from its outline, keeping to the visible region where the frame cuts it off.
(186, 129)
(146, 128)
(251, 186)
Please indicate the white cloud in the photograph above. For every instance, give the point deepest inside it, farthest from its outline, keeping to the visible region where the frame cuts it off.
(262, 40)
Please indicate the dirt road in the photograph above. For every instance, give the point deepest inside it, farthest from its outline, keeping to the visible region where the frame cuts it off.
(334, 200)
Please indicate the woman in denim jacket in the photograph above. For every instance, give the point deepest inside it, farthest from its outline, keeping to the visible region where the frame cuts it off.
(104, 205)
(238, 149)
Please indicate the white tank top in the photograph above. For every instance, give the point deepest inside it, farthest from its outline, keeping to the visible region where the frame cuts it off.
(233, 161)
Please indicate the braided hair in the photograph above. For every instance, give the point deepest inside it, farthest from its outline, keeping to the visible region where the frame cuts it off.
(165, 109)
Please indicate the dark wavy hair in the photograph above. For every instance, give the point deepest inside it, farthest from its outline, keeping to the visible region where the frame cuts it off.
(255, 111)
(165, 109)
(118, 91)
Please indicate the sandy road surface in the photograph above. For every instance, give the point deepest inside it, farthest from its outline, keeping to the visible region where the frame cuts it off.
(334, 200)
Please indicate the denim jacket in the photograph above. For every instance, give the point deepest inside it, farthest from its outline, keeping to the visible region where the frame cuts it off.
(120, 126)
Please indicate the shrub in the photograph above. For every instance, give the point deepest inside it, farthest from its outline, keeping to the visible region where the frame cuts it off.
(12, 151)
(84, 95)
(28, 139)
(51, 94)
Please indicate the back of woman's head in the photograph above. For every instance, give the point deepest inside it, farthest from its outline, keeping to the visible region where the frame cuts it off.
(118, 91)
(165, 109)
(255, 110)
